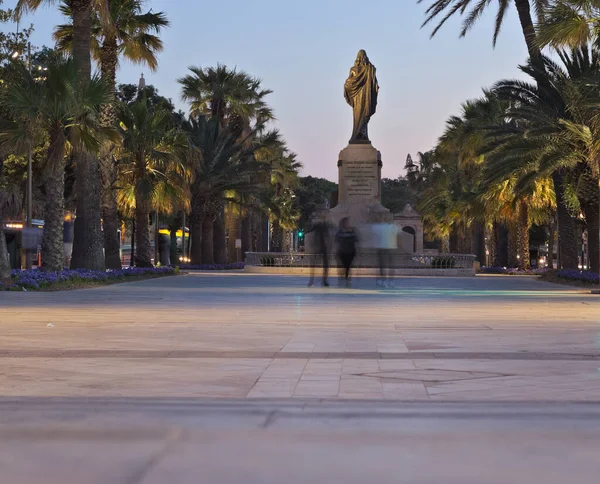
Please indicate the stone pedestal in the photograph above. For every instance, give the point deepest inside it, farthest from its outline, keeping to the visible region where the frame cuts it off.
(359, 194)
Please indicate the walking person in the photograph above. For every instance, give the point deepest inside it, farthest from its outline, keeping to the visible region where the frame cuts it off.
(347, 240)
(320, 241)
(385, 236)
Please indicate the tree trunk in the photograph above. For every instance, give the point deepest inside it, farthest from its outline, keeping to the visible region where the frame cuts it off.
(479, 242)
(207, 245)
(567, 230)
(523, 237)
(513, 245)
(110, 218)
(174, 256)
(445, 244)
(551, 238)
(246, 235)
(143, 256)
(195, 250)
(528, 28)
(88, 238)
(53, 257)
(132, 252)
(219, 235)
(465, 240)
(5, 269)
(492, 258)
(234, 224)
(591, 213)
(276, 237)
(262, 235)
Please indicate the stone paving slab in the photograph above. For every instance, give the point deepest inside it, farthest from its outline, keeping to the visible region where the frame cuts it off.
(249, 336)
(147, 441)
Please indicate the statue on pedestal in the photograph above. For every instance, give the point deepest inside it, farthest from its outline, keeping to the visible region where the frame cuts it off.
(360, 92)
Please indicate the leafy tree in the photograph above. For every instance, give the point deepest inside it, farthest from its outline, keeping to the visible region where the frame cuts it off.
(237, 101)
(222, 162)
(130, 35)
(68, 117)
(88, 242)
(148, 164)
(312, 194)
(396, 193)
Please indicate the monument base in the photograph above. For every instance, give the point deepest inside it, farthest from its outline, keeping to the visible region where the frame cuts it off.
(359, 193)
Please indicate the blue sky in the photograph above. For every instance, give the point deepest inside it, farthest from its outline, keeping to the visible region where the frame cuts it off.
(303, 52)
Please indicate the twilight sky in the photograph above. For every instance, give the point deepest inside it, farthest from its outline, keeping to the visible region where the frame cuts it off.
(303, 52)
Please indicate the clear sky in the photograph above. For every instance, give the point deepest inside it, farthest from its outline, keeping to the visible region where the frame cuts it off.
(303, 52)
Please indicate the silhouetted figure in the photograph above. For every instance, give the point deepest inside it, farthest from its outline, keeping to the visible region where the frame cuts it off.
(346, 239)
(385, 238)
(320, 236)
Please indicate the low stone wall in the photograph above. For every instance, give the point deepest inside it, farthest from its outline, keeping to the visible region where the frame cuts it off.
(366, 264)
(363, 271)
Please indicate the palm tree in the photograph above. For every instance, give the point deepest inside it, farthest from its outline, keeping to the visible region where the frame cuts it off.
(570, 23)
(148, 153)
(87, 246)
(68, 116)
(474, 9)
(224, 162)
(131, 36)
(225, 93)
(237, 101)
(283, 212)
(552, 133)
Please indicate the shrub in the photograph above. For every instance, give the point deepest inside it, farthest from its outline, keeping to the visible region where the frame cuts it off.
(40, 279)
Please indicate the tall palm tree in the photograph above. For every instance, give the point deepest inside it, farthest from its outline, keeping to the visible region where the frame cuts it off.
(570, 23)
(68, 115)
(474, 9)
(237, 101)
(132, 35)
(224, 162)
(88, 242)
(552, 133)
(148, 151)
(225, 93)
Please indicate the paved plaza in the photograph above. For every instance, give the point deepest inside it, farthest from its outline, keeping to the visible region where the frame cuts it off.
(260, 379)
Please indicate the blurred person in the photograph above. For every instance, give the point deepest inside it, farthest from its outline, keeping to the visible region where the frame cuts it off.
(320, 240)
(385, 240)
(347, 240)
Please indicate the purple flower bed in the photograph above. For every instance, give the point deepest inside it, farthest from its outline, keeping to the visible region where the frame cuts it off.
(513, 271)
(579, 276)
(213, 267)
(38, 279)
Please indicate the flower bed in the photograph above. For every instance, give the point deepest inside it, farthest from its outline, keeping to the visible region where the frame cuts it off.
(213, 267)
(585, 277)
(38, 279)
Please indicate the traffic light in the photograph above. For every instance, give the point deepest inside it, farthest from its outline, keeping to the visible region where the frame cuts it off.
(300, 234)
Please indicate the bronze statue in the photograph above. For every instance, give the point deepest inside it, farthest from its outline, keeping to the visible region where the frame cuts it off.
(360, 91)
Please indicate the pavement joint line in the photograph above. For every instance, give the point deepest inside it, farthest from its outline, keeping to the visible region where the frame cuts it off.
(296, 355)
(174, 437)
